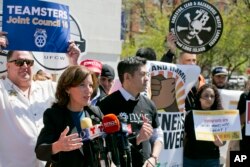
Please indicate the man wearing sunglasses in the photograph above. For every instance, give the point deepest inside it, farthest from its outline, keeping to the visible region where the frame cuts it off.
(22, 103)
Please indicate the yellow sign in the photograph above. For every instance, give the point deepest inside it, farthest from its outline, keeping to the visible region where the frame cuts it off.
(210, 123)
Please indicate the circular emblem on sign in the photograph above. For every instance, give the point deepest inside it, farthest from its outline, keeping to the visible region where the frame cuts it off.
(40, 37)
(197, 26)
(40, 41)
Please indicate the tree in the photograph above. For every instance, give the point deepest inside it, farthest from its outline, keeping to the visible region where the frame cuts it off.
(231, 51)
(155, 20)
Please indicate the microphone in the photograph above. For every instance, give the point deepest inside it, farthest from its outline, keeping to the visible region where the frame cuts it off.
(90, 132)
(126, 130)
(93, 147)
(125, 127)
(111, 125)
(101, 142)
(85, 123)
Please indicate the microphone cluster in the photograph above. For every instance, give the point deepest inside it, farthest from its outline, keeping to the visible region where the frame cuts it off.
(109, 134)
(90, 131)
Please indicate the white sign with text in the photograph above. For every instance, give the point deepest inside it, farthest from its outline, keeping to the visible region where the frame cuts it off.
(224, 123)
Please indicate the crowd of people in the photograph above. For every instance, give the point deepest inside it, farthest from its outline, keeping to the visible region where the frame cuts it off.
(23, 102)
(40, 119)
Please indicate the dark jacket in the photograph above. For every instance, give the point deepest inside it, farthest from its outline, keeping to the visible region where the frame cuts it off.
(102, 95)
(55, 121)
(197, 149)
(244, 143)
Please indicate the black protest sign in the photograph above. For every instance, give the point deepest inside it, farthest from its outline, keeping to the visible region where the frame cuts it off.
(197, 26)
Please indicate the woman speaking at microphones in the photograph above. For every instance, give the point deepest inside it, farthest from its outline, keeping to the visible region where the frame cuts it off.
(65, 139)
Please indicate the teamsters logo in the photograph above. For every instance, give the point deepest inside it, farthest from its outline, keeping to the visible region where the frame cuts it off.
(197, 26)
(40, 37)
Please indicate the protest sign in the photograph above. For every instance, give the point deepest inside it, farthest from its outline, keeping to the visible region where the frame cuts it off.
(197, 25)
(36, 25)
(172, 124)
(168, 88)
(224, 123)
(230, 98)
(170, 84)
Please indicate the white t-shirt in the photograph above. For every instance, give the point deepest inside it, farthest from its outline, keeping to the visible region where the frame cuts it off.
(21, 122)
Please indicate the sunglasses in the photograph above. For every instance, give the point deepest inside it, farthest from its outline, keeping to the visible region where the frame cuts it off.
(20, 62)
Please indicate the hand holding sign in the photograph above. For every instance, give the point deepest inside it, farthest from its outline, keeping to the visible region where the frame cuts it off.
(73, 53)
(171, 39)
(3, 40)
(217, 141)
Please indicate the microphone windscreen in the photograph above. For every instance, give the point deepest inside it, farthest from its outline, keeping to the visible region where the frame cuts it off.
(86, 123)
(111, 123)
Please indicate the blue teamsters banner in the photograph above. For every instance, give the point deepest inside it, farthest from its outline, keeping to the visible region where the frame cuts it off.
(36, 25)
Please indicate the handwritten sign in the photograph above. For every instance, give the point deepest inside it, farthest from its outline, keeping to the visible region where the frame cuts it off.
(224, 123)
(36, 25)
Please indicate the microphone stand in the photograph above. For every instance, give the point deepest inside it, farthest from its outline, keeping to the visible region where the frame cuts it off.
(125, 143)
(114, 151)
(103, 153)
(126, 150)
(91, 155)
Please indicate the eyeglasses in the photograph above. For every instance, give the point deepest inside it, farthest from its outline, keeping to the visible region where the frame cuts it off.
(206, 97)
(20, 62)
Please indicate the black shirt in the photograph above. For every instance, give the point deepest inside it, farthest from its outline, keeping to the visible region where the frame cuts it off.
(244, 143)
(133, 111)
(196, 149)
